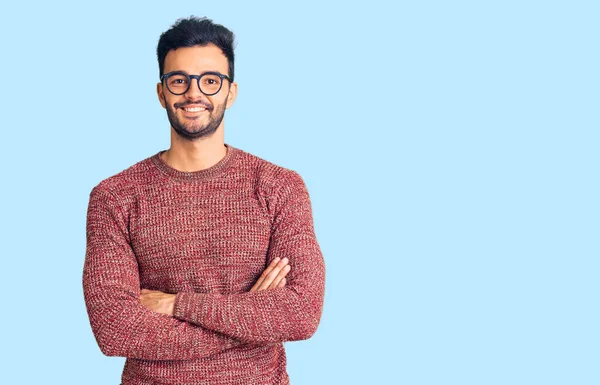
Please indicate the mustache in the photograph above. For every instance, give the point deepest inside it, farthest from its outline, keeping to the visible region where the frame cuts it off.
(185, 104)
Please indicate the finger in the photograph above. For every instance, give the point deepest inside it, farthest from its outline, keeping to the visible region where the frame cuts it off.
(282, 273)
(273, 274)
(280, 276)
(265, 273)
(268, 280)
(282, 282)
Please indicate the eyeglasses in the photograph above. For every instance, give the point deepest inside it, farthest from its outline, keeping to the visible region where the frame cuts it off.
(178, 83)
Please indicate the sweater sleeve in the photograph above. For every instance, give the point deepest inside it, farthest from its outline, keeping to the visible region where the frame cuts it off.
(289, 313)
(111, 286)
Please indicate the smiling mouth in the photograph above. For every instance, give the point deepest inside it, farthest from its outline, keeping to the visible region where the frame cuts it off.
(194, 109)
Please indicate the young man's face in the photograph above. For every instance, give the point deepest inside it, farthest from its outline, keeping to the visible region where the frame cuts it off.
(194, 115)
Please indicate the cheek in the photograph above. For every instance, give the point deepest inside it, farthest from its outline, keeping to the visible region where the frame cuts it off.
(169, 102)
(218, 102)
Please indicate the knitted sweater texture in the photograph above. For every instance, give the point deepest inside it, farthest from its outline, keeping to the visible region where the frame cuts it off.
(206, 236)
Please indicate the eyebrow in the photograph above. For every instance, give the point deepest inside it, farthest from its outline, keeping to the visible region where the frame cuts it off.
(205, 72)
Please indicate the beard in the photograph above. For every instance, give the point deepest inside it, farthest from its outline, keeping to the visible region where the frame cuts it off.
(192, 131)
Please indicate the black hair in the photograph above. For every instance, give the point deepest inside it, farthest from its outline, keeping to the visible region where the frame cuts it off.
(193, 31)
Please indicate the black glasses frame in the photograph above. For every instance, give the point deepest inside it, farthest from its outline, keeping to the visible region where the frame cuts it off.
(166, 76)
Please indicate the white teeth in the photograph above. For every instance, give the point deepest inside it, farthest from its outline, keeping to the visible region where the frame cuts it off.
(195, 109)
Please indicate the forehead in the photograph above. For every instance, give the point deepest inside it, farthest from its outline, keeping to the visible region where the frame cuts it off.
(197, 59)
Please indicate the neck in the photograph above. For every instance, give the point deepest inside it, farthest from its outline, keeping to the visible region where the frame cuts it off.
(200, 154)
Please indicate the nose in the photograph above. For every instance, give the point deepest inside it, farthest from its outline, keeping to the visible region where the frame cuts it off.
(194, 91)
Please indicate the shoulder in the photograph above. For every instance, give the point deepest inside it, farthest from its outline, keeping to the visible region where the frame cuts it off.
(125, 183)
(269, 177)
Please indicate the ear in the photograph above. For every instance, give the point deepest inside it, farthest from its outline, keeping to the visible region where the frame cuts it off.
(233, 89)
(161, 95)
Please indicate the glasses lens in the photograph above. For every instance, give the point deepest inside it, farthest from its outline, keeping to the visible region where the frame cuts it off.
(210, 84)
(178, 83)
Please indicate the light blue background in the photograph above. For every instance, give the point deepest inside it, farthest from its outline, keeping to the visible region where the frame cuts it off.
(450, 150)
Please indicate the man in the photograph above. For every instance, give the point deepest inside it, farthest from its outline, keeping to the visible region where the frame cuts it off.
(202, 259)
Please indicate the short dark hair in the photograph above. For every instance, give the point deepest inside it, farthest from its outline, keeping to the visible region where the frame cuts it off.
(193, 31)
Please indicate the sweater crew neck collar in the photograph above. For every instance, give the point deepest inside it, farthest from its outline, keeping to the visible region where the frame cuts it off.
(191, 176)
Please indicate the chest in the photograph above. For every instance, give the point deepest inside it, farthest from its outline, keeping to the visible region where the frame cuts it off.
(200, 240)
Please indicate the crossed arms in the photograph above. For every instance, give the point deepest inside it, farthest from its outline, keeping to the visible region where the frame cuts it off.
(202, 323)
(273, 276)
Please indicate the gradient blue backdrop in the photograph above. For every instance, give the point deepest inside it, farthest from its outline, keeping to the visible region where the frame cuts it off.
(450, 150)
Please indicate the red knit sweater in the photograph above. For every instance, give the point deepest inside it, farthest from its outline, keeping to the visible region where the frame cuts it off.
(207, 236)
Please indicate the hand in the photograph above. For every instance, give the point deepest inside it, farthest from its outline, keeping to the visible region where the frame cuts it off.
(158, 301)
(273, 276)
